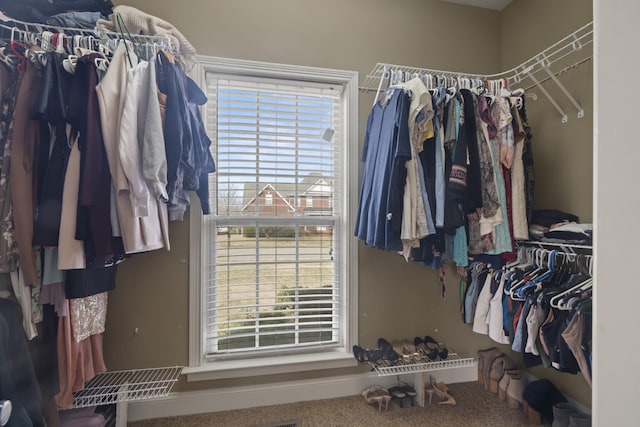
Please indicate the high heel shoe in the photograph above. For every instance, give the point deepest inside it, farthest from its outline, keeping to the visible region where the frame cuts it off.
(432, 345)
(379, 395)
(410, 392)
(397, 394)
(441, 391)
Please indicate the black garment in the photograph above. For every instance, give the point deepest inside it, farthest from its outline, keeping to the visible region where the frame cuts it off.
(46, 229)
(428, 159)
(474, 181)
(90, 281)
(430, 250)
(548, 217)
(38, 10)
(17, 377)
(527, 160)
(541, 395)
(93, 223)
(44, 353)
(52, 111)
(456, 182)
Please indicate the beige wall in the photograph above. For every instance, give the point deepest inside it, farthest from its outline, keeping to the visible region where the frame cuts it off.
(148, 318)
(563, 153)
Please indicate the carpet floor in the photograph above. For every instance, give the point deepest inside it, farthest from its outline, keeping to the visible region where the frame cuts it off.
(475, 407)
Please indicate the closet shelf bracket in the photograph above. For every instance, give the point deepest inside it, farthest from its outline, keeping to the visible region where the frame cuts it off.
(546, 93)
(564, 90)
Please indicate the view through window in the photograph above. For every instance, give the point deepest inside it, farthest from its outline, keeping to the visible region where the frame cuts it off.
(273, 268)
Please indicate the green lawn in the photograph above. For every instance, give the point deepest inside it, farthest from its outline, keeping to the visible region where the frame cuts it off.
(281, 288)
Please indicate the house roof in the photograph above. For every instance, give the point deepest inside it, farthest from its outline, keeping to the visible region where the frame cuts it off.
(285, 189)
(291, 208)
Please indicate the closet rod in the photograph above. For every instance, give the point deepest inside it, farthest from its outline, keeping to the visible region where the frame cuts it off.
(569, 45)
(566, 247)
(36, 28)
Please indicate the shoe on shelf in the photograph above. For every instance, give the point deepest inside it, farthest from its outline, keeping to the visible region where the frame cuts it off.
(373, 357)
(432, 345)
(388, 354)
(422, 348)
(410, 350)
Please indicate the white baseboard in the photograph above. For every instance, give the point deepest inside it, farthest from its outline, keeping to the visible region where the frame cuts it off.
(232, 398)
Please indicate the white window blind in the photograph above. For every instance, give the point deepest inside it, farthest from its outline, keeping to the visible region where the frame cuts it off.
(274, 280)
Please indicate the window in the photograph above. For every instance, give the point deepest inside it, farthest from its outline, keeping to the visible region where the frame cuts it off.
(283, 283)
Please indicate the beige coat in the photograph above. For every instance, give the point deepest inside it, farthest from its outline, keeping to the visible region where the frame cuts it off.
(139, 233)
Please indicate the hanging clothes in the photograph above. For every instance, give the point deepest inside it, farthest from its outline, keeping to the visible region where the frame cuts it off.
(386, 150)
(139, 234)
(468, 159)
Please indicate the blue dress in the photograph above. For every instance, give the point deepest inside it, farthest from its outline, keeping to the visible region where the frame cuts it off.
(386, 150)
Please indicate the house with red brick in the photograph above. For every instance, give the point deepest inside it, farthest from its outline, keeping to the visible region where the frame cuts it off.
(311, 196)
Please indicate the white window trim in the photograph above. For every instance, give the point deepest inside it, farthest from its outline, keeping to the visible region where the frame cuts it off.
(200, 369)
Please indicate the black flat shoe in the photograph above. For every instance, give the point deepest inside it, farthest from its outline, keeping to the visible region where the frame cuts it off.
(435, 349)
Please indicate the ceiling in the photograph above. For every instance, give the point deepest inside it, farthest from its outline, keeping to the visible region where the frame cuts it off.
(488, 4)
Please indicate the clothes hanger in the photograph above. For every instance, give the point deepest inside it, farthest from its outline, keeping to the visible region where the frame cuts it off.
(123, 28)
(556, 301)
(537, 281)
(539, 262)
(8, 59)
(69, 63)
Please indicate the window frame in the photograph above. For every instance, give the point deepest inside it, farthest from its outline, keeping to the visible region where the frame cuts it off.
(202, 368)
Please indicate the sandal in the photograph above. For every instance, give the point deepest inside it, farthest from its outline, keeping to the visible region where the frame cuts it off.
(410, 392)
(377, 394)
(397, 394)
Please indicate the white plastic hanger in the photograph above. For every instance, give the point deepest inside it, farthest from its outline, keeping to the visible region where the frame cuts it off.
(557, 300)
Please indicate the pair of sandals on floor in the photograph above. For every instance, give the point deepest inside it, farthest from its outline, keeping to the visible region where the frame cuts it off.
(401, 352)
(380, 395)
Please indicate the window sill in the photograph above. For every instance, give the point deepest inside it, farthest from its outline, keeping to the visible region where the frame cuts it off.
(269, 366)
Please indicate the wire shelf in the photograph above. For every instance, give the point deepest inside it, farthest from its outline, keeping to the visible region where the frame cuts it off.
(453, 361)
(127, 386)
(569, 45)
